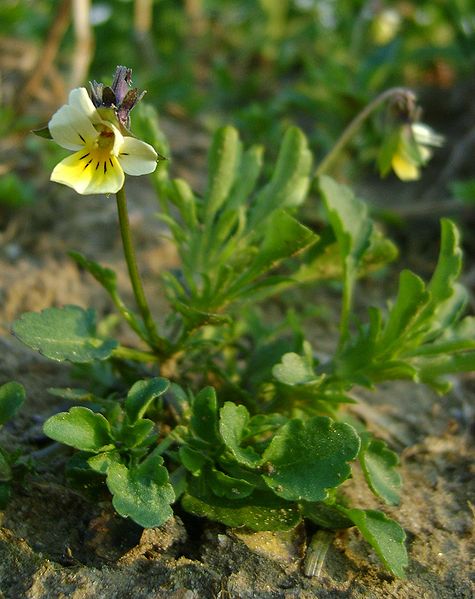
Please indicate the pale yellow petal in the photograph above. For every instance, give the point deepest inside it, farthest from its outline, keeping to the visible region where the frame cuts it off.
(137, 157)
(79, 99)
(404, 169)
(87, 175)
(71, 129)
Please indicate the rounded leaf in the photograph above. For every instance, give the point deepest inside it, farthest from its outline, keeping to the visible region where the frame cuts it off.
(304, 459)
(67, 333)
(80, 428)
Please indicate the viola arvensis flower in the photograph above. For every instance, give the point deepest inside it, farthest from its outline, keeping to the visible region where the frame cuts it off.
(408, 143)
(414, 149)
(103, 148)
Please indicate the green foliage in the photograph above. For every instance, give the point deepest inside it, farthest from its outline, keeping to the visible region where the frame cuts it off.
(384, 535)
(305, 459)
(80, 428)
(379, 467)
(142, 493)
(120, 446)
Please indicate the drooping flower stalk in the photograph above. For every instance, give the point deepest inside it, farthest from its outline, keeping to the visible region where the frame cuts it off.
(356, 123)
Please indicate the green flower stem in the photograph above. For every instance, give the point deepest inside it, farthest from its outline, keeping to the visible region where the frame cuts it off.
(356, 123)
(157, 343)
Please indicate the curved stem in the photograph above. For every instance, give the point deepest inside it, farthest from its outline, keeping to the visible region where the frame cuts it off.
(356, 123)
(154, 340)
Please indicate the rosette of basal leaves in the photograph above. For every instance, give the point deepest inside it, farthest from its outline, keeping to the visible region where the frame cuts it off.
(12, 396)
(120, 447)
(268, 472)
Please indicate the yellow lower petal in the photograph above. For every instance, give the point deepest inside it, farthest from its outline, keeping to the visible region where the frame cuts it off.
(404, 169)
(87, 174)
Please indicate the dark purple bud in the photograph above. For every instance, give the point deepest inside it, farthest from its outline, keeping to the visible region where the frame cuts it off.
(118, 96)
(96, 93)
(121, 83)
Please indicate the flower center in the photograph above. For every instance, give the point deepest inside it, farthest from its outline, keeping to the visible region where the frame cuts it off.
(99, 154)
(105, 141)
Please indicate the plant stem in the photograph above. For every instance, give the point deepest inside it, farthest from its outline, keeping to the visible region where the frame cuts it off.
(154, 340)
(316, 552)
(128, 353)
(356, 123)
(346, 303)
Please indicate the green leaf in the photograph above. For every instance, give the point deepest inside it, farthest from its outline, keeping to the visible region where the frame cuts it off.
(379, 468)
(101, 462)
(231, 487)
(12, 396)
(304, 459)
(284, 237)
(232, 426)
(224, 159)
(325, 516)
(294, 370)
(406, 312)
(183, 198)
(137, 434)
(80, 428)
(141, 394)
(249, 171)
(204, 419)
(105, 276)
(385, 536)
(142, 493)
(192, 459)
(290, 179)
(43, 132)
(67, 333)
(350, 221)
(259, 511)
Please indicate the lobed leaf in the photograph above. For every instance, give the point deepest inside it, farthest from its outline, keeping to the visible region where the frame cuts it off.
(290, 179)
(142, 493)
(204, 419)
(224, 158)
(379, 467)
(305, 459)
(105, 276)
(67, 333)
(232, 427)
(259, 511)
(350, 220)
(294, 369)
